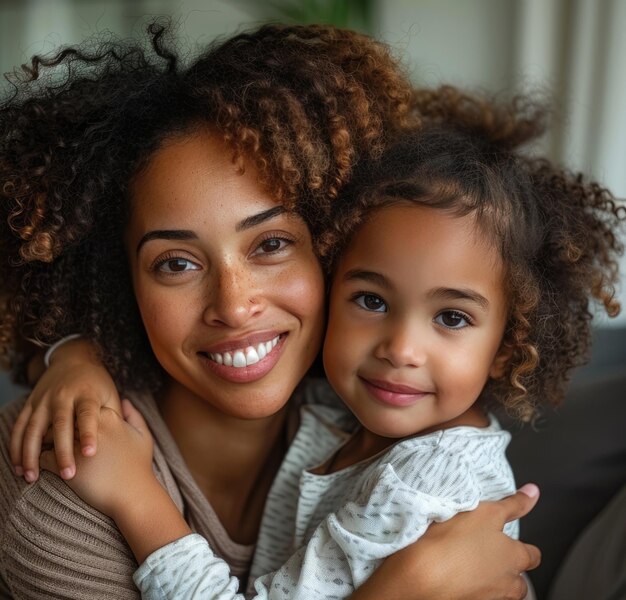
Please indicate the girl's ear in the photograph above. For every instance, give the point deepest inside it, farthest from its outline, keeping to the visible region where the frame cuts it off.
(501, 360)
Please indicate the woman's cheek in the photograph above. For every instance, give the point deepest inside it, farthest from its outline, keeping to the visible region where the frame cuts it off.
(160, 308)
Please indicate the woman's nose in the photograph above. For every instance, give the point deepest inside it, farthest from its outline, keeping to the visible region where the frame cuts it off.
(403, 346)
(233, 298)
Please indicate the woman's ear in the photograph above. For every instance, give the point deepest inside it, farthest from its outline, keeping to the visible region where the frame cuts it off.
(501, 361)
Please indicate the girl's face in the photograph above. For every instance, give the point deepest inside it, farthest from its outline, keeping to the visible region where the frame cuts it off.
(229, 289)
(417, 316)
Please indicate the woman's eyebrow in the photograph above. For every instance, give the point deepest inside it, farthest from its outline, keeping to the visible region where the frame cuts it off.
(254, 220)
(166, 234)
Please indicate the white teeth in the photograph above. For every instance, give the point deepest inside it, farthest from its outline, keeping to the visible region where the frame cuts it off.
(239, 359)
(251, 356)
(246, 356)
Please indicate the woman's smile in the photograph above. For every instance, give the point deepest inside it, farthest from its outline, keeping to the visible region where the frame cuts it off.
(245, 363)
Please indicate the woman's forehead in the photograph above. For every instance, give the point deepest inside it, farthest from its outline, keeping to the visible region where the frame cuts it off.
(191, 180)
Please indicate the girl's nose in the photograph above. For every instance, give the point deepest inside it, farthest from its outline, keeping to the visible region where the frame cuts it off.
(402, 346)
(233, 299)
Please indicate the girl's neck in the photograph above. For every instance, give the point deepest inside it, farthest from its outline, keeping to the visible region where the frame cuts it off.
(365, 444)
(233, 461)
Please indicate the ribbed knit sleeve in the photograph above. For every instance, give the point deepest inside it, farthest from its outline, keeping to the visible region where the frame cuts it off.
(53, 545)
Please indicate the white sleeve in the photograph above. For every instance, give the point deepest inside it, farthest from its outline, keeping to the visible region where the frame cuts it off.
(186, 568)
(348, 546)
(345, 549)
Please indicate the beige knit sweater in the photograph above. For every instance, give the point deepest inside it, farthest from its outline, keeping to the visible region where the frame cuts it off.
(53, 545)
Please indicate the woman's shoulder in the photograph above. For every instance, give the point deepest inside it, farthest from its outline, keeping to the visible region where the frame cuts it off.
(75, 549)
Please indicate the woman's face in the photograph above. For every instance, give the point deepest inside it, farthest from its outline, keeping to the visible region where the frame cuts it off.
(229, 289)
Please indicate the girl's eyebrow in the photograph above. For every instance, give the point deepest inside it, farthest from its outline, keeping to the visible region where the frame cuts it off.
(370, 276)
(460, 294)
(166, 234)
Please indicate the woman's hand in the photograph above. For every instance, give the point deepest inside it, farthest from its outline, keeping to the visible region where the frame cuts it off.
(467, 557)
(69, 394)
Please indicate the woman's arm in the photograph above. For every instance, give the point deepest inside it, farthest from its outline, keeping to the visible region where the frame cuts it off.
(467, 557)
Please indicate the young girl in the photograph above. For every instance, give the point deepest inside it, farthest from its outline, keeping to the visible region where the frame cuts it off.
(463, 272)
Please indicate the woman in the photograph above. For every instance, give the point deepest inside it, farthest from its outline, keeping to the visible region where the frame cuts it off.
(170, 214)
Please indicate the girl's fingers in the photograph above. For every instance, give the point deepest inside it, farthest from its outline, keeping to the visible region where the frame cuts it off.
(88, 419)
(48, 461)
(133, 417)
(17, 437)
(63, 433)
(31, 446)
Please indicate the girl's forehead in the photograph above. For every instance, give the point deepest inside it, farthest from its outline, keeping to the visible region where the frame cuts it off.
(405, 236)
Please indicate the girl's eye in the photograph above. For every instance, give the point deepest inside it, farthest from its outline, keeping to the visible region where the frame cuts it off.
(272, 245)
(171, 266)
(371, 302)
(453, 319)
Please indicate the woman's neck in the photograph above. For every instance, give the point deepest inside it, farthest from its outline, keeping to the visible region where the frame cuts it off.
(233, 461)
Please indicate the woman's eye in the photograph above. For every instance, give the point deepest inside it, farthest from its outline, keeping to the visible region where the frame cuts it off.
(371, 302)
(176, 265)
(453, 319)
(272, 245)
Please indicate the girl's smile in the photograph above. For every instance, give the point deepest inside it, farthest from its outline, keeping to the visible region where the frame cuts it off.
(392, 393)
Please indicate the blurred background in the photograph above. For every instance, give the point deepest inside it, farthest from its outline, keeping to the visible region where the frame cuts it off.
(568, 51)
(571, 52)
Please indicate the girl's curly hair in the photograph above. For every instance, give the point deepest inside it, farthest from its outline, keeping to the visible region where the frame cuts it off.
(556, 232)
(302, 104)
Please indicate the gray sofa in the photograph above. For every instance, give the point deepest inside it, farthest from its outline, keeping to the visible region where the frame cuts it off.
(577, 454)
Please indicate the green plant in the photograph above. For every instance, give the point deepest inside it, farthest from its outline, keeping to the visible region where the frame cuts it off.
(354, 14)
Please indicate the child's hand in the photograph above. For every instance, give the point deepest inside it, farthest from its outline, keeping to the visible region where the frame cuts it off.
(121, 472)
(120, 483)
(71, 391)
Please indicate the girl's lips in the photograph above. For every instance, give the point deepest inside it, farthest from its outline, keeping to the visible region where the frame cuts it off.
(255, 368)
(393, 394)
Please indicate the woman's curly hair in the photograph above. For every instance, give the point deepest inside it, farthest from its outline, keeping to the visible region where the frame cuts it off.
(302, 104)
(558, 234)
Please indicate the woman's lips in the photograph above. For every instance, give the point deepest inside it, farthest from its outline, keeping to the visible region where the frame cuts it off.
(247, 363)
(393, 394)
